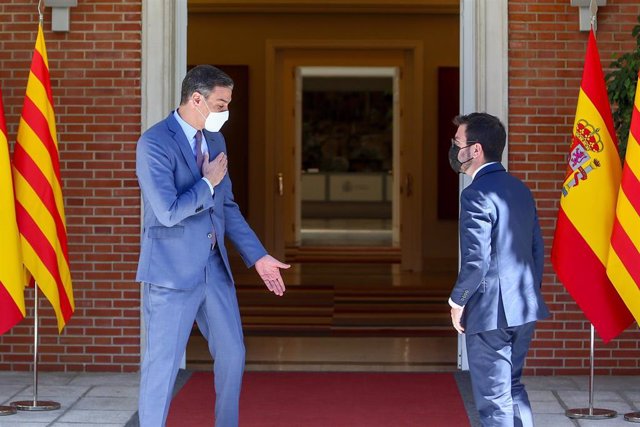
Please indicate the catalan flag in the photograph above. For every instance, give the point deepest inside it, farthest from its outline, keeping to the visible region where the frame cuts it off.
(12, 280)
(38, 190)
(587, 206)
(623, 267)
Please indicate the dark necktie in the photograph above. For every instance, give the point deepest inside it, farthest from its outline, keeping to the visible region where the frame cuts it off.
(199, 155)
(199, 161)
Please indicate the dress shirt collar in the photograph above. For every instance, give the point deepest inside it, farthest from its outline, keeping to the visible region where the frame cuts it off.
(480, 168)
(189, 131)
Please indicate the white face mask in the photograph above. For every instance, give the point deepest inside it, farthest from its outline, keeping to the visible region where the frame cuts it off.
(214, 121)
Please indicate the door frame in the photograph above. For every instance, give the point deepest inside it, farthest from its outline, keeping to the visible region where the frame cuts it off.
(484, 78)
(282, 59)
(163, 66)
(484, 67)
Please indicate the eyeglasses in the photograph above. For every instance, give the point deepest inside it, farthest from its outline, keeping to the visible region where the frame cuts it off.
(469, 143)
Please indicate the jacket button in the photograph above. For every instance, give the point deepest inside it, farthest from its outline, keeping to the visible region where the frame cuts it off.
(209, 235)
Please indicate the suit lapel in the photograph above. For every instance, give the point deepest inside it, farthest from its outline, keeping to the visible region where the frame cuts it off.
(182, 143)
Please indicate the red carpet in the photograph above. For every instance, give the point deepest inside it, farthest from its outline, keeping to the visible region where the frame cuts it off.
(304, 399)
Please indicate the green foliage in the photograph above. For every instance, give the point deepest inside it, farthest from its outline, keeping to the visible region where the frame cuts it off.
(621, 85)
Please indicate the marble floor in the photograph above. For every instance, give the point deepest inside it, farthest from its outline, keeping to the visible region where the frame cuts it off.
(109, 400)
(86, 399)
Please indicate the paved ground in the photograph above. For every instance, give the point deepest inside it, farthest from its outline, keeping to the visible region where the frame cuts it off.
(110, 400)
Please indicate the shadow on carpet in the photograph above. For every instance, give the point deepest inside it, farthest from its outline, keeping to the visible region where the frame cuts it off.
(313, 399)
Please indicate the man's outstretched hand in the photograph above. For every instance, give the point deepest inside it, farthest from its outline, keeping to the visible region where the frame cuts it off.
(456, 319)
(269, 270)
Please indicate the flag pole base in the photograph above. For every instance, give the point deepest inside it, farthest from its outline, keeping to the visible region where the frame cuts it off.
(36, 405)
(591, 413)
(7, 410)
(632, 417)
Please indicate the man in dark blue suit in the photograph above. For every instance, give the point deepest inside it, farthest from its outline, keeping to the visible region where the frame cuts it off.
(188, 212)
(496, 300)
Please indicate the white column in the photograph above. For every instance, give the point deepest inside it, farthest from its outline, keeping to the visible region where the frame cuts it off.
(484, 75)
(484, 61)
(164, 59)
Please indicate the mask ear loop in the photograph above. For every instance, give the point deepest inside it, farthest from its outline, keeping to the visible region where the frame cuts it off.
(202, 98)
(195, 105)
(475, 152)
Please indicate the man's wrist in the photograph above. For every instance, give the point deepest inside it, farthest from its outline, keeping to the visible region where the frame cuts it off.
(208, 183)
(454, 305)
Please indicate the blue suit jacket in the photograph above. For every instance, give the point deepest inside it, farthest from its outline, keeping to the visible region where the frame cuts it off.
(180, 212)
(502, 253)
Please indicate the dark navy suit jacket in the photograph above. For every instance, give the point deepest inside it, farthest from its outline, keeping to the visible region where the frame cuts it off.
(180, 213)
(502, 253)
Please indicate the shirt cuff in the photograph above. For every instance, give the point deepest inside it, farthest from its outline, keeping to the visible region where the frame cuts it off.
(454, 305)
(209, 184)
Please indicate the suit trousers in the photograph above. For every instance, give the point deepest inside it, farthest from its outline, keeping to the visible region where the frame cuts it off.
(169, 315)
(496, 359)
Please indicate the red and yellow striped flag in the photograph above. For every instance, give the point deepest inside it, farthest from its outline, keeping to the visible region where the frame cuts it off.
(36, 176)
(12, 280)
(623, 267)
(587, 206)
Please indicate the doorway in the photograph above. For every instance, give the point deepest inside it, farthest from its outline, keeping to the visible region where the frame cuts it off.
(483, 38)
(347, 145)
(347, 165)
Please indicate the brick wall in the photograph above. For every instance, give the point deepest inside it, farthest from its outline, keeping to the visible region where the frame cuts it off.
(95, 78)
(546, 51)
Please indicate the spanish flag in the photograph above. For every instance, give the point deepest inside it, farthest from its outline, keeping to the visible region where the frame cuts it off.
(38, 189)
(580, 248)
(12, 280)
(623, 267)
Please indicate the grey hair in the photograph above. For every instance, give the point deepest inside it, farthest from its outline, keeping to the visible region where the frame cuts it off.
(203, 79)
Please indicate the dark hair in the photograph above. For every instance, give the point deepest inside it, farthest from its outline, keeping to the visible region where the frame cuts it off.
(203, 79)
(487, 130)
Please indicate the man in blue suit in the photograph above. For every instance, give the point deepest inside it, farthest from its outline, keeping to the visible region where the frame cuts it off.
(496, 300)
(188, 212)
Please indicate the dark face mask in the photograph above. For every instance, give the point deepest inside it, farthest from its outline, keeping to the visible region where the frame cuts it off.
(456, 164)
